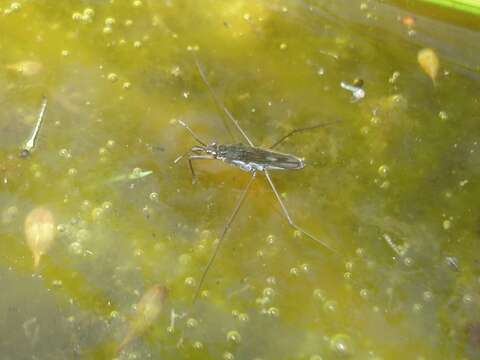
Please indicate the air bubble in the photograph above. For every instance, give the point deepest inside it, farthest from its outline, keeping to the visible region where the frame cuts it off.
(383, 170)
(417, 308)
(88, 12)
(15, 6)
(82, 235)
(408, 261)
(305, 268)
(270, 239)
(233, 336)
(330, 306)
(75, 248)
(271, 280)
(86, 205)
(109, 21)
(192, 323)
(107, 205)
(243, 317)
(427, 296)
(294, 271)
(467, 299)
(190, 281)
(97, 213)
(65, 153)
(112, 77)
(76, 16)
(9, 214)
(273, 312)
(268, 292)
(342, 345)
(447, 224)
(197, 345)
(318, 294)
(228, 356)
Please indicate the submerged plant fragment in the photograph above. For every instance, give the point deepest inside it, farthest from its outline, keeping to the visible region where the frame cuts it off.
(26, 68)
(146, 312)
(428, 61)
(40, 232)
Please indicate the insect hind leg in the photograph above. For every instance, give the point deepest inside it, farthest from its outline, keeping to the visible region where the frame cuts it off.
(288, 217)
(220, 103)
(222, 236)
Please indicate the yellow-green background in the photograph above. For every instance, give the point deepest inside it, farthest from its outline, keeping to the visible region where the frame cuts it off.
(403, 164)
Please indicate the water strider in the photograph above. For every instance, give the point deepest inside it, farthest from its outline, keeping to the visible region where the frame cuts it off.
(247, 157)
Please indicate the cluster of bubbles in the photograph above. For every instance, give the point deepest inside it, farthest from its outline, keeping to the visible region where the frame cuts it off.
(84, 17)
(12, 8)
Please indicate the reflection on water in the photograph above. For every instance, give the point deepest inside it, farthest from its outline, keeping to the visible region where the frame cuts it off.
(392, 186)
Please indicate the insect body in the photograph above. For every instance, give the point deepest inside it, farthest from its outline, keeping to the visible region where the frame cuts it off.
(250, 158)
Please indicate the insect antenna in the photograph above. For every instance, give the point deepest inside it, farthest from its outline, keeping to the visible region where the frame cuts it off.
(222, 236)
(220, 104)
(191, 133)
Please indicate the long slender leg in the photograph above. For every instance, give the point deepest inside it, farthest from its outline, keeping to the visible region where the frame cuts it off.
(289, 219)
(192, 170)
(294, 131)
(222, 236)
(190, 164)
(220, 104)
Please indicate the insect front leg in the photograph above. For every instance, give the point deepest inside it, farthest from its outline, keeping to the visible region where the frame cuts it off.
(190, 164)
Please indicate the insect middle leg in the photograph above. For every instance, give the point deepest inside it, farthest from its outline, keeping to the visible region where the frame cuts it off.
(223, 234)
(190, 164)
(289, 219)
(221, 105)
(294, 131)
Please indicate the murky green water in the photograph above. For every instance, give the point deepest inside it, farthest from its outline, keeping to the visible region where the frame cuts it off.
(393, 187)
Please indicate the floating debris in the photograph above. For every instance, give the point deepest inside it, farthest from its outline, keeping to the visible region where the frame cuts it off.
(32, 141)
(146, 312)
(40, 232)
(356, 89)
(135, 174)
(329, 54)
(408, 20)
(428, 60)
(452, 262)
(26, 68)
(31, 329)
(400, 250)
